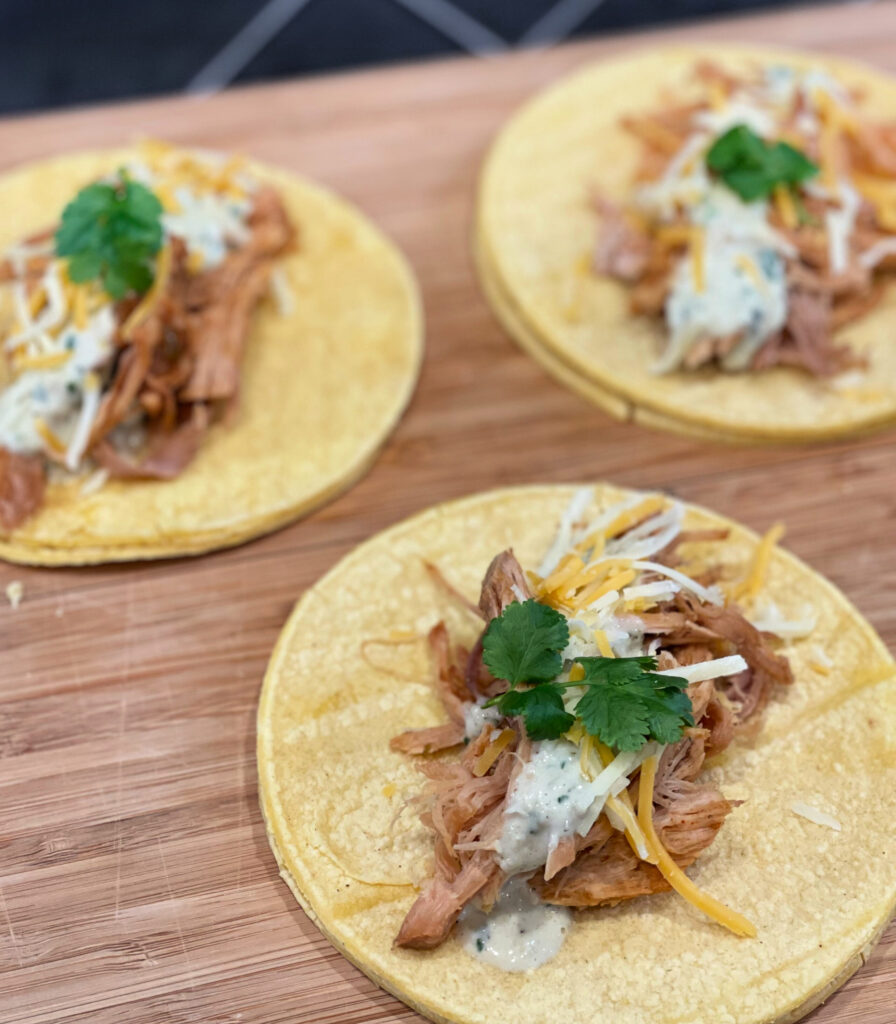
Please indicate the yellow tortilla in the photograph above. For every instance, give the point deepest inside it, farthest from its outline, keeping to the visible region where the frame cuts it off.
(334, 795)
(536, 229)
(321, 388)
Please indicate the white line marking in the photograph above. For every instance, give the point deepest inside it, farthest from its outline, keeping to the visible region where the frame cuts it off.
(253, 37)
(556, 23)
(180, 930)
(12, 934)
(455, 24)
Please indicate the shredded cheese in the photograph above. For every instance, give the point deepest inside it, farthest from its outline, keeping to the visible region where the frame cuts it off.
(786, 206)
(620, 812)
(751, 270)
(79, 307)
(709, 596)
(716, 668)
(750, 586)
(632, 516)
(50, 438)
(570, 565)
(49, 361)
(144, 306)
(597, 590)
(698, 260)
(493, 751)
(603, 644)
(673, 874)
(832, 123)
(718, 97)
(36, 301)
(675, 234)
(821, 661)
(816, 816)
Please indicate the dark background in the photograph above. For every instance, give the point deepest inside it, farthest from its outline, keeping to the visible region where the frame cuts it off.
(62, 52)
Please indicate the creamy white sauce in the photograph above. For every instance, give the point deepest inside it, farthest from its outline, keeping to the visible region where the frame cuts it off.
(208, 223)
(476, 717)
(520, 932)
(55, 395)
(549, 801)
(732, 300)
(779, 83)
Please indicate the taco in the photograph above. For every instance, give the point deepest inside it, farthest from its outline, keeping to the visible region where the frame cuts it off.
(175, 336)
(704, 242)
(589, 753)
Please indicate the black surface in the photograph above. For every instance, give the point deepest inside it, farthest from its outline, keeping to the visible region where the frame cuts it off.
(60, 52)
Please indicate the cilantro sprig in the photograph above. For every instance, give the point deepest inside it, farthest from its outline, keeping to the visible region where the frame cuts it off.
(112, 231)
(752, 167)
(624, 704)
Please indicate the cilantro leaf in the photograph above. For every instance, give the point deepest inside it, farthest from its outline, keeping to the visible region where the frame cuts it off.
(752, 167)
(609, 713)
(668, 708)
(112, 231)
(624, 705)
(541, 708)
(523, 644)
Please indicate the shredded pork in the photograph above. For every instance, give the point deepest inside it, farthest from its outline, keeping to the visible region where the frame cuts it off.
(176, 367)
(821, 298)
(22, 484)
(466, 810)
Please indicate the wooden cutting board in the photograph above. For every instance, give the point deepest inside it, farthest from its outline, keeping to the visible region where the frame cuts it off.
(136, 883)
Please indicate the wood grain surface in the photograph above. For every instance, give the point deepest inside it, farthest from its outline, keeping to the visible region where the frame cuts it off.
(136, 883)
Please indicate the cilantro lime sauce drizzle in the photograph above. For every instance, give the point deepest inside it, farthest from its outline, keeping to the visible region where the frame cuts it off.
(743, 289)
(476, 717)
(520, 932)
(552, 800)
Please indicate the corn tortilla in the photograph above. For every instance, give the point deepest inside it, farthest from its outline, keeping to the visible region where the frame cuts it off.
(334, 796)
(535, 232)
(322, 386)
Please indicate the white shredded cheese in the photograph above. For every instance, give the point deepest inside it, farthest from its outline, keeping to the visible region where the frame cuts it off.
(839, 224)
(282, 293)
(814, 815)
(94, 482)
(610, 598)
(563, 539)
(822, 657)
(14, 593)
(870, 258)
(771, 620)
(659, 590)
(710, 595)
(717, 668)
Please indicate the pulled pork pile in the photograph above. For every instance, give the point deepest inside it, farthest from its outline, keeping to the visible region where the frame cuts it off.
(821, 298)
(176, 365)
(466, 811)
